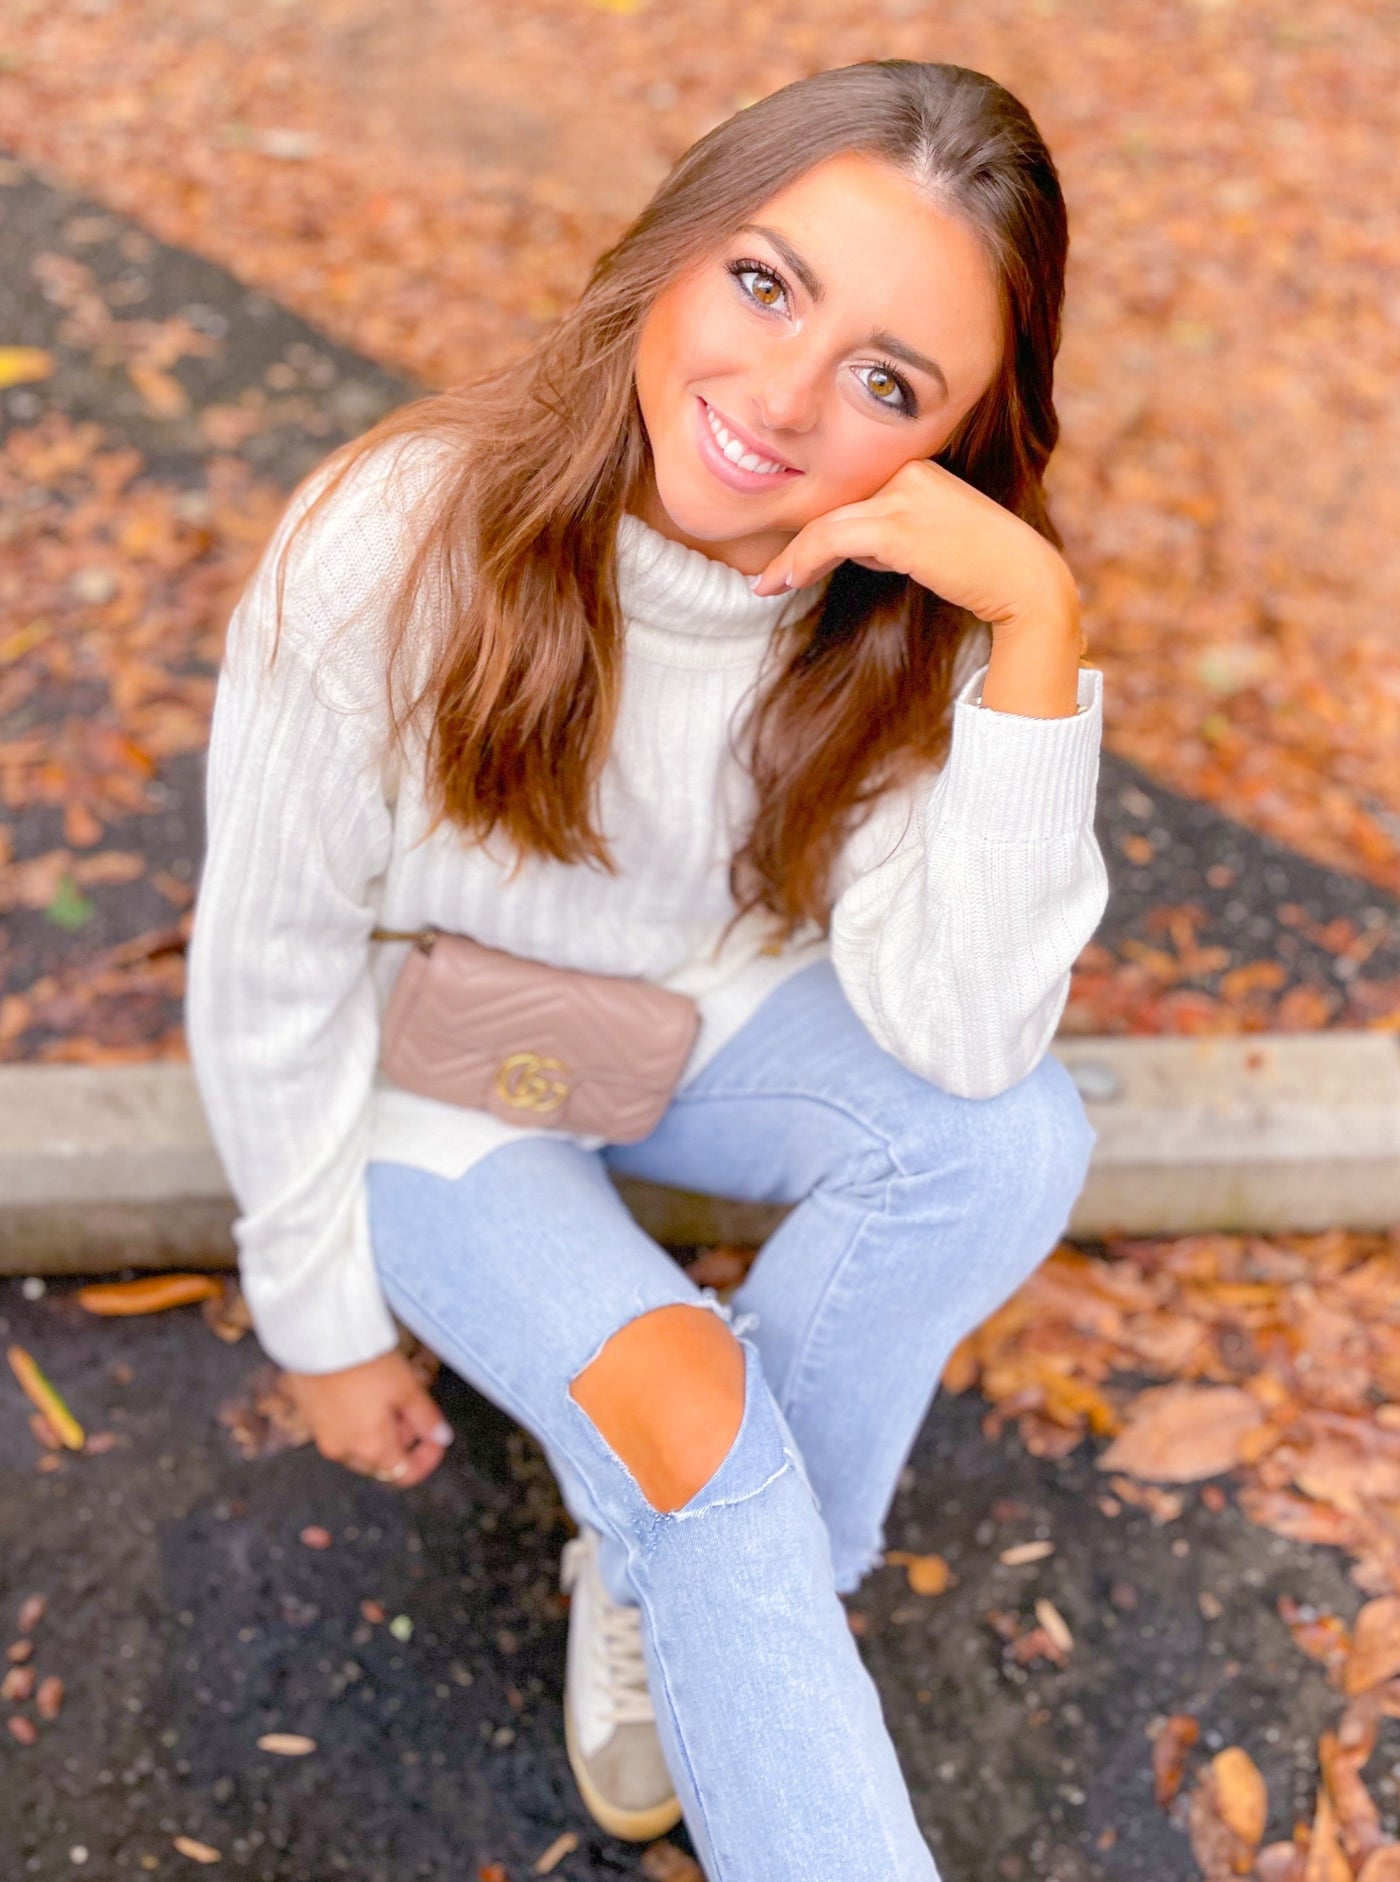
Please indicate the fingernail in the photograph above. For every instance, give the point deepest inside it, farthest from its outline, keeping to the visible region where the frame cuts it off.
(442, 1432)
(787, 579)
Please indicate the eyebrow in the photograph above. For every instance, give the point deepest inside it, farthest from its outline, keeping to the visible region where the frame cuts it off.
(887, 342)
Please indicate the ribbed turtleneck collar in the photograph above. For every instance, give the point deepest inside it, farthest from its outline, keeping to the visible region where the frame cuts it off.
(669, 589)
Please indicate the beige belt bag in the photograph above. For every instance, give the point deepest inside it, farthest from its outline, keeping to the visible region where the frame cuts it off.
(534, 1045)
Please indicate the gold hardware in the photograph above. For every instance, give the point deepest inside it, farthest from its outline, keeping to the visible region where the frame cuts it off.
(529, 1082)
(422, 938)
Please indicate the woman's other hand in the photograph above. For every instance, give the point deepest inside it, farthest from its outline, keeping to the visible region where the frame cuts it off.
(375, 1418)
(935, 528)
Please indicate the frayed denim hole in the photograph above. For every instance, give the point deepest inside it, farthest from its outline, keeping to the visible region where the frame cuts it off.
(783, 1454)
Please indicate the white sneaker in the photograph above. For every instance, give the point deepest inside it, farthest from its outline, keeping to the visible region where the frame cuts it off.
(609, 1721)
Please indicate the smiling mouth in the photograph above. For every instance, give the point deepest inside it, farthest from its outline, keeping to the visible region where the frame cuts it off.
(739, 452)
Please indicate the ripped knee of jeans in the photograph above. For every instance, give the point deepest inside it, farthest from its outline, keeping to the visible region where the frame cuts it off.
(666, 1394)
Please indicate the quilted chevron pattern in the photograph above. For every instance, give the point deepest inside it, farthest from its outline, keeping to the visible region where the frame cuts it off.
(535, 1045)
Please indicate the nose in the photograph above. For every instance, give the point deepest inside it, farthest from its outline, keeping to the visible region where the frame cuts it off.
(786, 394)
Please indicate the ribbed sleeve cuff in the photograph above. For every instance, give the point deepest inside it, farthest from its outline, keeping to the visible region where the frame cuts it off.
(1014, 779)
(332, 1313)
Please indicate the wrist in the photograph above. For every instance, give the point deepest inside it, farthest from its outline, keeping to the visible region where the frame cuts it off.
(1033, 668)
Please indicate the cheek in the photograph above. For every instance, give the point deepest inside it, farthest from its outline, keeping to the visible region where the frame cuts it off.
(863, 458)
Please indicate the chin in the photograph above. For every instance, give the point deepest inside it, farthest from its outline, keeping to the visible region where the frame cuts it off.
(693, 515)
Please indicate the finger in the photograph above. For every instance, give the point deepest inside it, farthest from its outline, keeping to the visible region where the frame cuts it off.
(855, 530)
(420, 1415)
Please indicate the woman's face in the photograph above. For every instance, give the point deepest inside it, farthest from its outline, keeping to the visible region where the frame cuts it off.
(848, 327)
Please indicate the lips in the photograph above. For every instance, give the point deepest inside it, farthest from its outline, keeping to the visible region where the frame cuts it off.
(734, 456)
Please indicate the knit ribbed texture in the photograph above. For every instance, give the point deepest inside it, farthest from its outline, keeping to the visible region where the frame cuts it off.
(963, 901)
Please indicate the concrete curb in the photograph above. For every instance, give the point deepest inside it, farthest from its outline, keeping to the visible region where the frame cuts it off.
(105, 1167)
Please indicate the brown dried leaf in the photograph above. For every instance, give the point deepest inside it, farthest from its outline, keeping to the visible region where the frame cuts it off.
(49, 1699)
(23, 1731)
(1326, 1858)
(1219, 1849)
(1241, 1797)
(1375, 1646)
(663, 1862)
(1182, 1433)
(1281, 1862)
(1170, 1747)
(1382, 1865)
(31, 1611)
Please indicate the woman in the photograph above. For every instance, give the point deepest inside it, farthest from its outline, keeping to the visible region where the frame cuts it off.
(739, 658)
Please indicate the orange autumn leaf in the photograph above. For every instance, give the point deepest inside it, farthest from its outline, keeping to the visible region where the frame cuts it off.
(154, 1293)
(1375, 1645)
(1382, 1865)
(928, 1574)
(1170, 1747)
(1241, 1798)
(1327, 1860)
(40, 1393)
(1182, 1433)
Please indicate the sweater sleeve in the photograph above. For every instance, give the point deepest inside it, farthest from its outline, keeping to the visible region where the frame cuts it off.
(280, 1009)
(964, 901)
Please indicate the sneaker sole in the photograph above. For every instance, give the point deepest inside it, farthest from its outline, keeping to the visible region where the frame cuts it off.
(630, 1826)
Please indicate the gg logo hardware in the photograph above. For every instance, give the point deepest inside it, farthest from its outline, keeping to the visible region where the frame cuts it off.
(528, 1082)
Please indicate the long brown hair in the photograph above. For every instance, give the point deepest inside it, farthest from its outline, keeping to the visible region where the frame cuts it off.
(518, 540)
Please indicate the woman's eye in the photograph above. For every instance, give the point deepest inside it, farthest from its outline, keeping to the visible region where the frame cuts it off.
(886, 387)
(758, 283)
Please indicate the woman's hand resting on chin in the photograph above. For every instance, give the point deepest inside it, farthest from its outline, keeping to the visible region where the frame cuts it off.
(931, 526)
(374, 1418)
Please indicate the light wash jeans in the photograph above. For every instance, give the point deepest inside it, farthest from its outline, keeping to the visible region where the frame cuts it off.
(918, 1214)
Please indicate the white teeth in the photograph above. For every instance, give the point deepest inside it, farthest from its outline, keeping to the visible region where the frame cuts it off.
(735, 452)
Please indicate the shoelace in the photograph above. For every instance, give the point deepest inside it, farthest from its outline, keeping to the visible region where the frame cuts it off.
(620, 1642)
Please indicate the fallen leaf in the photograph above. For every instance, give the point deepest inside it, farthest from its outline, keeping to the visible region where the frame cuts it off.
(1375, 1646)
(1170, 1746)
(1217, 1845)
(549, 1859)
(49, 1698)
(1326, 1858)
(17, 1685)
(1182, 1433)
(196, 1851)
(1020, 1554)
(23, 1731)
(663, 1862)
(19, 1651)
(31, 1611)
(927, 1574)
(23, 365)
(1055, 1625)
(1281, 1862)
(152, 1293)
(315, 1537)
(286, 1744)
(1241, 1797)
(38, 1390)
(1382, 1865)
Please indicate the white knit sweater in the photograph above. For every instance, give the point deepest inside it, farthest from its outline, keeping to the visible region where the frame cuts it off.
(962, 903)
